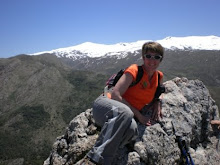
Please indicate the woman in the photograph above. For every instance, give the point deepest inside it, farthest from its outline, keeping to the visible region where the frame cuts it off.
(116, 113)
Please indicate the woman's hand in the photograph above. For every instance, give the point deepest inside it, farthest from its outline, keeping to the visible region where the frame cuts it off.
(144, 120)
(216, 122)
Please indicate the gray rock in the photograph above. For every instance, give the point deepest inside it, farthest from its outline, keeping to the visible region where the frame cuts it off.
(187, 111)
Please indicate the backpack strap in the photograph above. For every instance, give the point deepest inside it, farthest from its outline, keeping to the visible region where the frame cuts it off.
(139, 76)
(160, 88)
(158, 79)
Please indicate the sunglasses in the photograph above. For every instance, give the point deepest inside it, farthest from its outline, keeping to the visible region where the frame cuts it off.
(156, 57)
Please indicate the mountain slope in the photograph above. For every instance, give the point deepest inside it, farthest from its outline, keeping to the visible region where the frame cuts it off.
(39, 96)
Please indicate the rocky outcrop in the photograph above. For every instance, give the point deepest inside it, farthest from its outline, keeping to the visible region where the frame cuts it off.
(187, 110)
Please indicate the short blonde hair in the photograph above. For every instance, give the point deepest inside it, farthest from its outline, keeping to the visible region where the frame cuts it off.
(152, 47)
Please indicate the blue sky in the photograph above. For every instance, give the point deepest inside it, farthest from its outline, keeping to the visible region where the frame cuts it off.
(30, 26)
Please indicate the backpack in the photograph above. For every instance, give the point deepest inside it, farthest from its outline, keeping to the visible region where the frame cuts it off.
(115, 77)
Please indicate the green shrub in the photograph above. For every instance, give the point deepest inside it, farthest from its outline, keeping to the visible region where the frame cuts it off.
(33, 116)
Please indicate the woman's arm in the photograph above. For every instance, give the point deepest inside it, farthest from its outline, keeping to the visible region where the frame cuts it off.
(122, 86)
(157, 107)
(119, 89)
(157, 110)
(216, 122)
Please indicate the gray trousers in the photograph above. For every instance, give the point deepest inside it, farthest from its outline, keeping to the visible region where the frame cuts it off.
(118, 129)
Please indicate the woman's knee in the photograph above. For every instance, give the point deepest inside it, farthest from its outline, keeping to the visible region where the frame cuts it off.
(126, 114)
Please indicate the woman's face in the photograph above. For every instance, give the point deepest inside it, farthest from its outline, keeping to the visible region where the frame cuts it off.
(151, 61)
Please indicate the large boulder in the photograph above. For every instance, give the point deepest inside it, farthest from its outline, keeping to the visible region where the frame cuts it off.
(187, 111)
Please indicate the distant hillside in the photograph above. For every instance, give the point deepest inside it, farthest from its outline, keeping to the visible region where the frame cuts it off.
(193, 64)
(39, 96)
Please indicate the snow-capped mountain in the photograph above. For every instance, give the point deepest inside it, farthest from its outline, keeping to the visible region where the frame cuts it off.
(92, 50)
(192, 42)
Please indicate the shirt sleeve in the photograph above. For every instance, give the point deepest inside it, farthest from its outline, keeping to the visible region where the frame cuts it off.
(133, 70)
